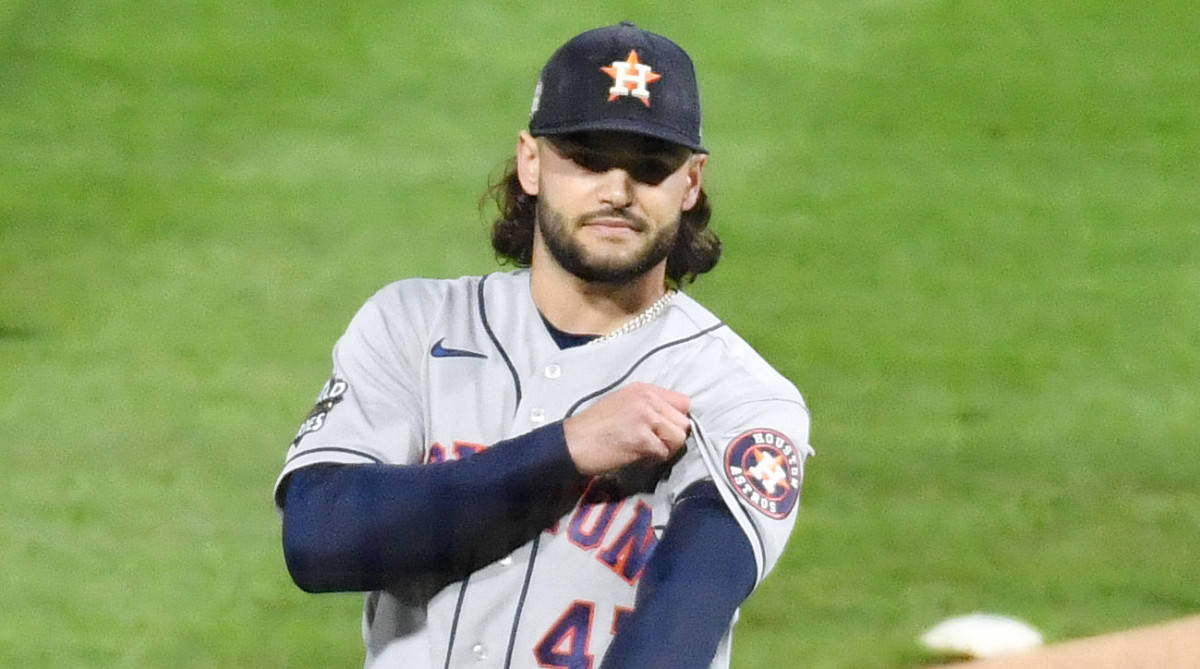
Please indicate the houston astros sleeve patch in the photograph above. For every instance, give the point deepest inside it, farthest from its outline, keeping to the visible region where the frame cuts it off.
(764, 467)
(759, 471)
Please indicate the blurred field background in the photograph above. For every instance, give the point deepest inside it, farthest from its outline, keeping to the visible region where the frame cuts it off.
(969, 231)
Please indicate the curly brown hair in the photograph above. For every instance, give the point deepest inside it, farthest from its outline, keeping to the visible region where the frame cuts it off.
(697, 248)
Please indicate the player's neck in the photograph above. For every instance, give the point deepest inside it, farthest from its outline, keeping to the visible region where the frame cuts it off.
(577, 306)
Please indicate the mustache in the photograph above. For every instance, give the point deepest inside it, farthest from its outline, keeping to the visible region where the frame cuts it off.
(635, 222)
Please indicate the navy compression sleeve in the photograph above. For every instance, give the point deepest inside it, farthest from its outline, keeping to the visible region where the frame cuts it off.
(701, 571)
(364, 527)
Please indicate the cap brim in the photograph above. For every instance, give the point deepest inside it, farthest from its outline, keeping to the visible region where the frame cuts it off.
(636, 127)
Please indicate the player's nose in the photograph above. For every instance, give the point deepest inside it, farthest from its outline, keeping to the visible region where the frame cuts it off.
(616, 188)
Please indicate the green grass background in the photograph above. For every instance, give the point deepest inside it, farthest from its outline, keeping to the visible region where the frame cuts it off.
(969, 231)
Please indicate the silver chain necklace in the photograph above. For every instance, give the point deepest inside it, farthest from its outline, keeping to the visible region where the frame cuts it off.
(653, 311)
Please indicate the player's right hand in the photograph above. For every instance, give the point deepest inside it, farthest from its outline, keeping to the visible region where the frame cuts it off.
(635, 423)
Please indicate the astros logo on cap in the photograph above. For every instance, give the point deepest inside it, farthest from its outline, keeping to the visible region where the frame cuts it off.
(630, 77)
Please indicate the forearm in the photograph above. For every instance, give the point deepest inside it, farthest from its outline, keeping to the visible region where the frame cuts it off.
(700, 573)
(365, 527)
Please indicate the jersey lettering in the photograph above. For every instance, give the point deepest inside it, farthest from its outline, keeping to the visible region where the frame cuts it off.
(464, 449)
(437, 453)
(593, 517)
(620, 616)
(628, 553)
(566, 644)
(460, 450)
(631, 550)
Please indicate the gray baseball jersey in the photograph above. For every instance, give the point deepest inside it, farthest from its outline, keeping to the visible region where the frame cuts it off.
(433, 370)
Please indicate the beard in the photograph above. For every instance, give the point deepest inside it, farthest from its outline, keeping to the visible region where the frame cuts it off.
(592, 267)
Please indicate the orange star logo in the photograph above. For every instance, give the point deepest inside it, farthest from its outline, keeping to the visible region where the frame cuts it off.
(769, 470)
(630, 78)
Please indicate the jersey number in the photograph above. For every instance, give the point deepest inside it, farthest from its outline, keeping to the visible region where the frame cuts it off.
(567, 644)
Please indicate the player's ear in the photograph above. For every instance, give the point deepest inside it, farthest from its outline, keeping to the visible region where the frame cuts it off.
(527, 163)
(695, 175)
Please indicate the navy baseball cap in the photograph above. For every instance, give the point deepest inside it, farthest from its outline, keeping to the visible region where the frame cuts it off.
(619, 78)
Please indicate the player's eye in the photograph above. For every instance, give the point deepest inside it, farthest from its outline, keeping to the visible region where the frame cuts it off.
(648, 162)
(651, 172)
(593, 162)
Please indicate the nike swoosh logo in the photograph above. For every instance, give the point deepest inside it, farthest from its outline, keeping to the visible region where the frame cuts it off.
(439, 351)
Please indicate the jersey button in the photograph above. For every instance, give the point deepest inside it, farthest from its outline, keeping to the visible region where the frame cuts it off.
(537, 415)
(553, 371)
(480, 652)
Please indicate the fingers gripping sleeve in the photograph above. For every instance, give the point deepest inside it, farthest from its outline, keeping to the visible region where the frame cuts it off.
(369, 411)
(755, 454)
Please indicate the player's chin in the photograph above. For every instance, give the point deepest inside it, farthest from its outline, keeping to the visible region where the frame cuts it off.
(611, 272)
(617, 259)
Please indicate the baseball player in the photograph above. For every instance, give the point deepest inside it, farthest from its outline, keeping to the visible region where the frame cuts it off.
(572, 464)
